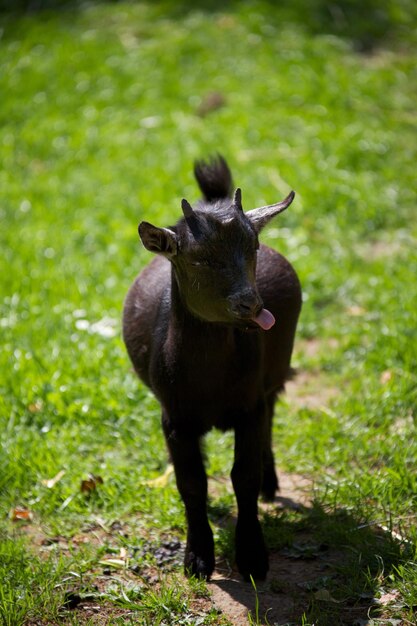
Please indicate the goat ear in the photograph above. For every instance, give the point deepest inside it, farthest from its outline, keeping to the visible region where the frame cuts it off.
(261, 216)
(159, 240)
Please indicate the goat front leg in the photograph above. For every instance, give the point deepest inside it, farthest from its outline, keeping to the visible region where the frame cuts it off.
(251, 553)
(192, 485)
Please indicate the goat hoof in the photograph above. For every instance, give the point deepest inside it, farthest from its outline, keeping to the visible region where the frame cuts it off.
(270, 485)
(251, 553)
(199, 554)
(198, 566)
(257, 569)
(268, 493)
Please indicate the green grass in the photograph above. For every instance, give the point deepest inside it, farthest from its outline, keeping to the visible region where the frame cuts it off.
(99, 127)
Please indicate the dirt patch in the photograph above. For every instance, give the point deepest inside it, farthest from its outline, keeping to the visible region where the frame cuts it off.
(284, 596)
(308, 390)
(310, 387)
(299, 577)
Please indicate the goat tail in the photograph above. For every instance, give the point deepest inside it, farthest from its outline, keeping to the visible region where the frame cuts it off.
(214, 178)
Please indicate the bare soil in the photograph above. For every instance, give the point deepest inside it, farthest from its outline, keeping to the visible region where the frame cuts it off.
(284, 596)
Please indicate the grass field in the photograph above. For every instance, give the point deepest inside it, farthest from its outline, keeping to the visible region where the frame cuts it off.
(103, 109)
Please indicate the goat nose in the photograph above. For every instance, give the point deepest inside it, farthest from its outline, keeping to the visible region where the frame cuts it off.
(245, 304)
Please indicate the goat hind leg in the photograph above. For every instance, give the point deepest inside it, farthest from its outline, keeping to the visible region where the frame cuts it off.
(270, 484)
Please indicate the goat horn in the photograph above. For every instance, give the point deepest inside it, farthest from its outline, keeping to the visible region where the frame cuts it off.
(261, 216)
(279, 206)
(237, 199)
(187, 209)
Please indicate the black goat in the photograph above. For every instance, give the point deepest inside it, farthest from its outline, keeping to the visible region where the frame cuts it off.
(199, 337)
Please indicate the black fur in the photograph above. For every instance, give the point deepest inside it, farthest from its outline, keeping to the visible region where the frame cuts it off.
(214, 178)
(191, 332)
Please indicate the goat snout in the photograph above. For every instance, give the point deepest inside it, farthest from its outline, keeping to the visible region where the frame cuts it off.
(245, 304)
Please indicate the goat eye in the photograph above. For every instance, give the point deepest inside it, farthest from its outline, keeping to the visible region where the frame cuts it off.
(202, 263)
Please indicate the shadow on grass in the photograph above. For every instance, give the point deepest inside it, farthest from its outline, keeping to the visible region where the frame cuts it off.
(366, 23)
(326, 567)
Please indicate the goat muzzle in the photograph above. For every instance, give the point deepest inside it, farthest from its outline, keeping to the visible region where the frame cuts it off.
(247, 307)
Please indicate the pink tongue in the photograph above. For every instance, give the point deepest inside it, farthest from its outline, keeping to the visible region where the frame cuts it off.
(265, 319)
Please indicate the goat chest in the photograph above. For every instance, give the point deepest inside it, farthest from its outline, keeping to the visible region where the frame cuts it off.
(211, 379)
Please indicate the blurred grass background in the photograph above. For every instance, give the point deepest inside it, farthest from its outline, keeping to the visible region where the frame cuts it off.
(104, 106)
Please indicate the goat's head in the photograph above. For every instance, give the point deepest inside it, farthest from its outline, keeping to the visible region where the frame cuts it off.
(213, 251)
